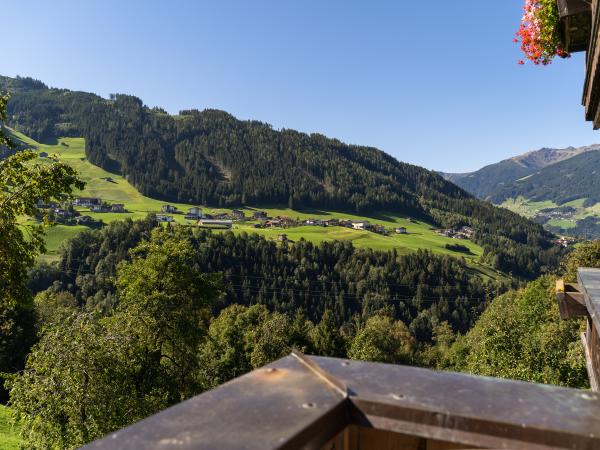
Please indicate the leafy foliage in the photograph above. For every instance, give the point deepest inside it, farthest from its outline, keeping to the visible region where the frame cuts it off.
(521, 336)
(587, 255)
(241, 339)
(89, 375)
(101, 365)
(92, 373)
(22, 184)
(383, 339)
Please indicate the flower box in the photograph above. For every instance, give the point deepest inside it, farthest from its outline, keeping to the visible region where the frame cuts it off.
(576, 24)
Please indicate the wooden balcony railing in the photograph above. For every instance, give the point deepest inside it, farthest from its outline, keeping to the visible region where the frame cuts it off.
(301, 402)
(583, 300)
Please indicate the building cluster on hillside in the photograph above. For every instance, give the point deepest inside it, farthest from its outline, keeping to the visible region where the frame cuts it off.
(545, 215)
(565, 241)
(214, 220)
(96, 205)
(64, 214)
(264, 221)
(457, 233)
(223, 219)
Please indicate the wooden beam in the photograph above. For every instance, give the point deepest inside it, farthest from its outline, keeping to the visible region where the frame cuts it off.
(571, 302)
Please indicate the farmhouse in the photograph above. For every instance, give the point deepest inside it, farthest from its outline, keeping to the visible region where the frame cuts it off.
(164, 218)
(238, 214)
(87, 201)
(466, 232)
(258, 215)
(64, 213)
(361, 225)
(43, 205)
(195, 210)
(287, 221)
(273, 223)
(118, 208)
(100, 208)
(461, 233)
(168, 209)
(214, 223)
(379, 229)
(401, 230)
(194, 213)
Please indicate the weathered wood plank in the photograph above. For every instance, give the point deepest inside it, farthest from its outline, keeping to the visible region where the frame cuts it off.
(571, 302)
(289, 405)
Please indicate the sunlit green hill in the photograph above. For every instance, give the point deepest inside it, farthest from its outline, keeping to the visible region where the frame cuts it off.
(113, 188)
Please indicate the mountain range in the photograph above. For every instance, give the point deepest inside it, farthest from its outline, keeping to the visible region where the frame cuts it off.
(490, 179)
(557, 187)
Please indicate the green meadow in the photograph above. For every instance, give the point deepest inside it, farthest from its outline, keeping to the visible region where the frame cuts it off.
(113, 188)
(530, 208)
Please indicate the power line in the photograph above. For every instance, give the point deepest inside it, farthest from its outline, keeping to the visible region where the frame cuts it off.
(316, 281)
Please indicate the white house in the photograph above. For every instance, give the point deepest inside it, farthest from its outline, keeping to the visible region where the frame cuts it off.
(87, 201)
(360, 225)
(194, 213)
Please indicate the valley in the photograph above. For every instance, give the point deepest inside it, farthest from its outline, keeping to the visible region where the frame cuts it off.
(113, 188)
(225, 230)
(557, 188)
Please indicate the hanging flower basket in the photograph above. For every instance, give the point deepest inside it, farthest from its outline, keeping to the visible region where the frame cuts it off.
(576, 24)
(540, 32)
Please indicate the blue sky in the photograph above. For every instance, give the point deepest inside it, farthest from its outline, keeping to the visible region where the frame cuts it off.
(433, 83)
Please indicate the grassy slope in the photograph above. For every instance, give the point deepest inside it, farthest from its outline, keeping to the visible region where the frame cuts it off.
(529, 208)
(9, 433)
(118, 190)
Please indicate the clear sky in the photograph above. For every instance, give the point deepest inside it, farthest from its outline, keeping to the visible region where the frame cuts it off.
(433, 83)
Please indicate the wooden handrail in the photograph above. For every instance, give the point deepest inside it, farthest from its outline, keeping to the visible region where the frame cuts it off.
(326, 403)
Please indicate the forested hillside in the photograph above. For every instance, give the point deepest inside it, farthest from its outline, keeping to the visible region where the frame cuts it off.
(486, 180)
(421, 289)
(159, 320)
(209, 157)
(572, 179)
(558, 188)
(491, 179)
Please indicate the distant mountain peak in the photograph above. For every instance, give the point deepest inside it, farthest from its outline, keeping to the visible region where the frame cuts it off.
(544, 157)
(485, 182)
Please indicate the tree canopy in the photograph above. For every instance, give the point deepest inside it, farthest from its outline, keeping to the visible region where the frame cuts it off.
(521, 336)
(23, 182)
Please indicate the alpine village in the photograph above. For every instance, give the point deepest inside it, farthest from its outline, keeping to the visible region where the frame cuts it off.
(194, 280)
